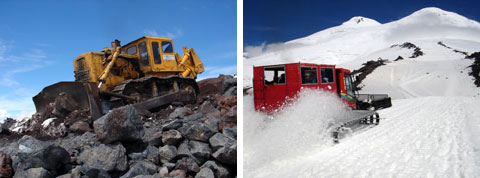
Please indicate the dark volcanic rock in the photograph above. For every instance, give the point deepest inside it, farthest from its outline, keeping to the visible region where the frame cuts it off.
(33, 172)
(152, 154)
(108, 158)
(50, 158)
(167, 153)
(219, 170)
(141, 168)
(171, 137)
(363, 72)
(5, 166)
(194, 149)
(120, 124)
(55, 157)
(188, 165)
(227, 154)
(195, 130)
(212, 85)
(219, 140)
(177, 174)
(475, 73)
(179, 112)
(80, 127)
(205, 173)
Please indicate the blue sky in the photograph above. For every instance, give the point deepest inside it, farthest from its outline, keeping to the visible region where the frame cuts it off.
(40, 39)
(271, 21)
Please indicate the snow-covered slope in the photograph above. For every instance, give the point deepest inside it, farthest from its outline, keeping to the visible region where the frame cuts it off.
(422, 137)
(360, 39)
(432, 129)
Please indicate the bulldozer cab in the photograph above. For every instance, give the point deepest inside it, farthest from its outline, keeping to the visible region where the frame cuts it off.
(156, 55)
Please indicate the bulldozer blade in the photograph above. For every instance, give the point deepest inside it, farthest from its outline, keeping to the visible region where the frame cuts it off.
(86, 95)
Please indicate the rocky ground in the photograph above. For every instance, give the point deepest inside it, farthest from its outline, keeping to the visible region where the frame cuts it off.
(197, 140)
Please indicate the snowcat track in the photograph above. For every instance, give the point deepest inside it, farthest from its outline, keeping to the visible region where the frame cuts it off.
(359, 121)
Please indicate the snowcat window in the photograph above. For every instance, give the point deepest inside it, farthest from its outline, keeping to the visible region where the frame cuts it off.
(132, 50)
(274, 75)
(309, 75)
(327, 75)
(143, 53)
(349, 85)
(167, 47)
(156, 53)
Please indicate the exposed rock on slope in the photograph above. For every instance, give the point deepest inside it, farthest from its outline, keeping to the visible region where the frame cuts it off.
(178, 141)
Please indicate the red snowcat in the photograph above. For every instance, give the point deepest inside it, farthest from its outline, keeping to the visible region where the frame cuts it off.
(273, 85)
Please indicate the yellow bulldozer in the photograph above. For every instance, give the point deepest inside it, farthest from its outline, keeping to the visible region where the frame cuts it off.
(145, 72)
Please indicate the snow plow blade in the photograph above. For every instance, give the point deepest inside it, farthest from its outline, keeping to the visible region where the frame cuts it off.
(377, 101)
(359, 119)
(78, 95)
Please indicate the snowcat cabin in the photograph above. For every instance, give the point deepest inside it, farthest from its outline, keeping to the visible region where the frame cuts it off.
(274, 84)
(345, 87)
(156, 55)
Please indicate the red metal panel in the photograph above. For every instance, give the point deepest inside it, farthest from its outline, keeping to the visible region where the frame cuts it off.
(258, 87)
(293, 79)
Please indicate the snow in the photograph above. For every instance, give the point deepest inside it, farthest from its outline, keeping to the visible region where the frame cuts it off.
(422, 137)
(432, 129)
(47, 122)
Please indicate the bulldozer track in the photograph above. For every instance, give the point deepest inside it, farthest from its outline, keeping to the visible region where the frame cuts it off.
(152, 86)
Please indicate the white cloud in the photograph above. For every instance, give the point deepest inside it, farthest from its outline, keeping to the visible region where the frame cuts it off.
(16, 102)
(252, 51)
(169, 34)
(17, 107)
(12, 64)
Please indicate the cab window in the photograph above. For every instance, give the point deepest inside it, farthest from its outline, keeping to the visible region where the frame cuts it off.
(349, 85)
(142, 48)
(327, 75)
(167, 47)
(132, 50)
(274, 75)
(156, 53)
(309, 75)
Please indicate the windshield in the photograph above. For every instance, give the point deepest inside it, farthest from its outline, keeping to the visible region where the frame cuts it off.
(349, 85)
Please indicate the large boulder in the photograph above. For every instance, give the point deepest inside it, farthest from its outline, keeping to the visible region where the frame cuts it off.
(141, 168)
(217, 168)
(188, 165)
(228, 83)
(80, 127)
(5, 165)
(50, 158)
(199, 151)
(120, 124)
(212, 86)
(152, 154)
(171, 137)
(33, 172)
(205, 173)
(219, 140)
(195, 130)
(179, 112)
(227, 154)
(167, 153)
(76, 144)
(108, 158)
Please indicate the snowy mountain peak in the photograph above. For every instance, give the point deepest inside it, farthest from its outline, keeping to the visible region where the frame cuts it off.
(437, 16)
(359, 21)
